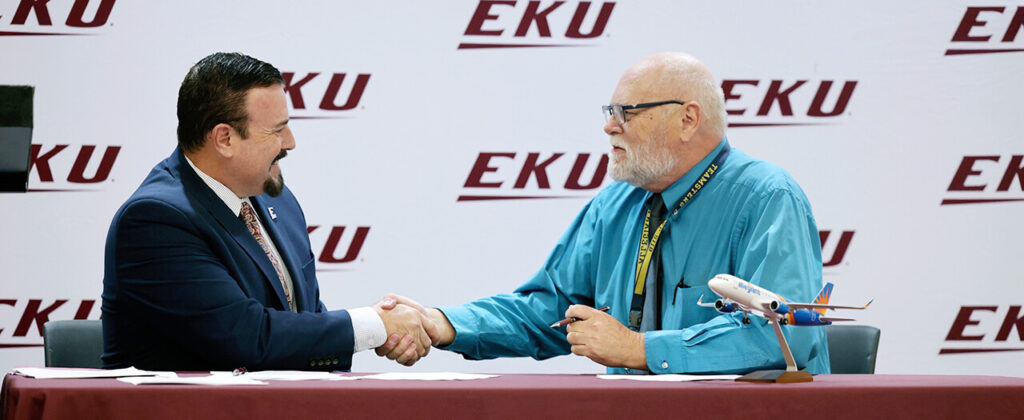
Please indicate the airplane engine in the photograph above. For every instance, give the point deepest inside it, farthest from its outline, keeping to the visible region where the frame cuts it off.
(723, 307)
(806, 317)
(778, 307)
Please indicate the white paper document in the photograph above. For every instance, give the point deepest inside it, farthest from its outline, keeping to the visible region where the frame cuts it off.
(425, 376)
(286, 375)
(671, 377)
(192, 380)
(65, 373)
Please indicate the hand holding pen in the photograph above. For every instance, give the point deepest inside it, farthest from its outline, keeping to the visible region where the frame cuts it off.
(568, 321)
(604, 339)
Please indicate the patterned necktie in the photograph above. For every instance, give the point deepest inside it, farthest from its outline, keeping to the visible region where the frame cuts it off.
(249, 217)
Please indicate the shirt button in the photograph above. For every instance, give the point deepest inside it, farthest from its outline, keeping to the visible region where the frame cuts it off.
(664, 365)
(372, 343)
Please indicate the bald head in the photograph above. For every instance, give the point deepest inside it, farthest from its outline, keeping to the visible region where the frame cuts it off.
(657, 143)
(679, 76)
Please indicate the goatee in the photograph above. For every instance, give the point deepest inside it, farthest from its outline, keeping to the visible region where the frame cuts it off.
(273, 187)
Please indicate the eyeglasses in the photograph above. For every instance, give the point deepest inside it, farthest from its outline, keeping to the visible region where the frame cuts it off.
(619, 111)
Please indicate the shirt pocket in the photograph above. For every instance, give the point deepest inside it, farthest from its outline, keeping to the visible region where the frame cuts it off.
(686, 301)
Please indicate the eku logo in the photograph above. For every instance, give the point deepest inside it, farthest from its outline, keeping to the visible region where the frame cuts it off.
(768, 103)
(974, 176)
(80, 16)
(34, 313)
(551, 26)
(508, 176)
(340, 93)
(334, 256)
(980, 27)
(51, 168)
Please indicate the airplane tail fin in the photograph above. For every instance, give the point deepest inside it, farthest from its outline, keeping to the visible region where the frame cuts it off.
(823, 297)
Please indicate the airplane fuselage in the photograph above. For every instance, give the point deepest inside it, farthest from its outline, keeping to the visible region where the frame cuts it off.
(738, 294)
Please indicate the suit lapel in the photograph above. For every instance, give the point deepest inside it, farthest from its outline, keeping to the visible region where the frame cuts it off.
(289, 259)
(235, 228)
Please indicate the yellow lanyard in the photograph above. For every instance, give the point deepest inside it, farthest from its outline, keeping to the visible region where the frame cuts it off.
(646, 254)
(643, 260)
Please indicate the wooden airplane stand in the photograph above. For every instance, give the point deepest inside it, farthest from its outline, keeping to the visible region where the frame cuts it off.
(778, 375)
(790, 375)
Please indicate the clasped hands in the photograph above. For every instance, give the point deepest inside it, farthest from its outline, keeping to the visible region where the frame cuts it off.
(412, 329)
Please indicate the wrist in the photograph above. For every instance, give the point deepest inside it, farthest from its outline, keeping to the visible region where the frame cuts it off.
(444, 327)
(639, 353)
(385, 318)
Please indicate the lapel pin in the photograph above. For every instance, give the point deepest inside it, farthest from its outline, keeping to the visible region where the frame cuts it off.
(272, 214)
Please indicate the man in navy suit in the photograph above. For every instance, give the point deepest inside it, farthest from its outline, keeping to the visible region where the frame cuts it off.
(208, 265)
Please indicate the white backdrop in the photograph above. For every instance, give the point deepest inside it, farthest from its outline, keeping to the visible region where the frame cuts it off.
(391, 167)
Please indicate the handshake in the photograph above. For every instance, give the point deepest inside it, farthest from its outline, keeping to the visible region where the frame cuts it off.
(590, 332)
(411, 329)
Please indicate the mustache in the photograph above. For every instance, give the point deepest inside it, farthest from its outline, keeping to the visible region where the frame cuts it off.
(614, 140)
(280, 156)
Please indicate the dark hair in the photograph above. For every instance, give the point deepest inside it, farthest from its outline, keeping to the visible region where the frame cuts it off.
(213, 92)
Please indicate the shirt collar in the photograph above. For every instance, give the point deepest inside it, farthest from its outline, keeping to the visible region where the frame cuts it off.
(229, 198)
(675, 192)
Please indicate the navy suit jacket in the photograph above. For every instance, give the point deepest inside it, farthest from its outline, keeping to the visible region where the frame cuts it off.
(187, 287)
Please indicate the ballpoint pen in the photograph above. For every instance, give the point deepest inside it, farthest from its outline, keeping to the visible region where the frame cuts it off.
(568, 321)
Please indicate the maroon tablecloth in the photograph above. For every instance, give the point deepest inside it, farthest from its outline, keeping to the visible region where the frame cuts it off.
(524, 397)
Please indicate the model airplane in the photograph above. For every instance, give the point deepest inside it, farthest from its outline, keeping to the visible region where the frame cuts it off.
(740, 295)
(737, 294)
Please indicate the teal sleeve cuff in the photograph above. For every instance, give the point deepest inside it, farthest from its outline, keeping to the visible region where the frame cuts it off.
(461, 319)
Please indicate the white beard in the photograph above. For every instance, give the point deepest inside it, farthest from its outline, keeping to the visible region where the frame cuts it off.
(641, 165)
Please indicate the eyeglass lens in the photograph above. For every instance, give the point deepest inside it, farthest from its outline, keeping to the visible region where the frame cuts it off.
(616, 110)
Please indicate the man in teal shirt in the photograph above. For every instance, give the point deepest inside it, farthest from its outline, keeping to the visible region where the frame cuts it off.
(726, 213)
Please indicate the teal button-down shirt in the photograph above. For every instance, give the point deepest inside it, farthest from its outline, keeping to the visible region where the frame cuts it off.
(751, 220)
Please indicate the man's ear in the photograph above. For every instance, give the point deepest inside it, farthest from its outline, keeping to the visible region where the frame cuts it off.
(690, 118)
(220, 138)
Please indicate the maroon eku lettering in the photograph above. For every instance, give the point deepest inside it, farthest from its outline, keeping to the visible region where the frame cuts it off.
(975, 35)
(41, 12)
(781, 95)
(330, 102)
(533, 16)
(1013, 320)
(972, 177)
(43, 164)
(535, 168)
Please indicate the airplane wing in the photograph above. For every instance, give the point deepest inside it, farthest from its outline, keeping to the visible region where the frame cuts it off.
(830, 319)
(795, 305)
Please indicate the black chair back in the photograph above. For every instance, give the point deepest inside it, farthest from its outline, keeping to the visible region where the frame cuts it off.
(853, 348)
(73, 343)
